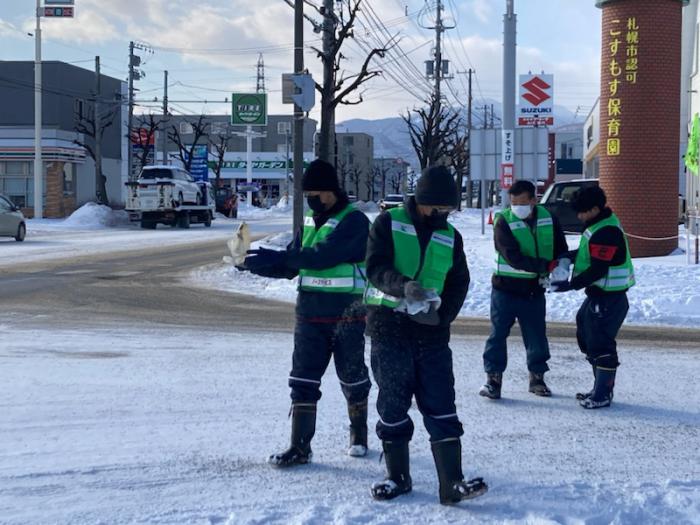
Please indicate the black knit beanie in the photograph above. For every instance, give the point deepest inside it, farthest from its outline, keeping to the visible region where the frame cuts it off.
(320, 176)
(437, 187)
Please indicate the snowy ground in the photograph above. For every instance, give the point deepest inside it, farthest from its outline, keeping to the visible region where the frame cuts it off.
(172, 426)
(667, 290)
(94, 230)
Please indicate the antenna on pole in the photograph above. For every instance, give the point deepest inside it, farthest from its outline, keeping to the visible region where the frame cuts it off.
(260, 84)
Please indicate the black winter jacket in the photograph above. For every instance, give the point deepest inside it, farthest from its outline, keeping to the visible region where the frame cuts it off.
(347, 243)
(608, 248)
(507, 245)
(383, 322)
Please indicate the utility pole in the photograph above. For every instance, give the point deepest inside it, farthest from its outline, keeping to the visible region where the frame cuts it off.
(327, 148)
(98, 134)
(438, 59)
(492, 112)
(298, 119)
(164, 132)
(486, 116)
(509, 49)
(38, 161)
(260, 84)
(130, 159)
(469, 145)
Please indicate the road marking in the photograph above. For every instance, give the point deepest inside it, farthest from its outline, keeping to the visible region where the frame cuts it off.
(125, 273)
(74, 272)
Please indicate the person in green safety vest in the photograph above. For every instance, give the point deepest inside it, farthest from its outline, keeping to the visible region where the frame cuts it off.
(417, 282)
(603, 266)
(328, 257)
(528, 239)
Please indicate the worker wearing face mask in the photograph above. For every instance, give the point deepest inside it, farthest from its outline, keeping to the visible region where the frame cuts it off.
(528, 240)
(417, 281)
(328, 257)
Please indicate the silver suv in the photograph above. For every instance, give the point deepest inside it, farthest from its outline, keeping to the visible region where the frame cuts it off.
(11, 220)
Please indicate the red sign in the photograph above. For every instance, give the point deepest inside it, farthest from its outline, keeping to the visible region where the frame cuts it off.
(506, 176)
(63, 12)
(536, 100)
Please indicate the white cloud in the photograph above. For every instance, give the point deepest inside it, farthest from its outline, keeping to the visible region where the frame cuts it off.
(482, 9)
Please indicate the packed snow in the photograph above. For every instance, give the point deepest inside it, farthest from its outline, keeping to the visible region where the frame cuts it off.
(94, 229)
(667, 290)
(173, 425)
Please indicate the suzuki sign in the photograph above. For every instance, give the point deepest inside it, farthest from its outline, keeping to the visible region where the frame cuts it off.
(536, 100)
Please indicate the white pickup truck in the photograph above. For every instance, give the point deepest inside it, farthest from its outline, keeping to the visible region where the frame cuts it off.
(169, 195)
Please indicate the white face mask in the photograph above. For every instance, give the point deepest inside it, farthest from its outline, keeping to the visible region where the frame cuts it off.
(522, 211)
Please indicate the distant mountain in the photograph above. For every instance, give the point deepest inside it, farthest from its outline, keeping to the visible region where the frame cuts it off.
(391, 135)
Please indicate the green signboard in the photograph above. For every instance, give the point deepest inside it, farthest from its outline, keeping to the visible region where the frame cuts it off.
(249, 109)
(274, 165)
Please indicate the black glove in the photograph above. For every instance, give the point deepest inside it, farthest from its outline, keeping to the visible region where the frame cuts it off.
(561, 286)
(430, 318)
(414, 292)
(263, 258)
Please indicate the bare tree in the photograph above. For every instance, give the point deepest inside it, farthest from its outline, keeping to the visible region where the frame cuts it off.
(219, 144)
(200, 128)
(338, 86)
(380, 172)
(459, 153)
(412, 178)
(87, 125)
(431, 131)
(143, 135)
(370, 184)
(355, 175)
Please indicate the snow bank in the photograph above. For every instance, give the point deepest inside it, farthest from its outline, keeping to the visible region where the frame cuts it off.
(667, 290)
(93, 216)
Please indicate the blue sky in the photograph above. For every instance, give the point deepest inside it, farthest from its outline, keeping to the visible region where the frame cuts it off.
(558, 36)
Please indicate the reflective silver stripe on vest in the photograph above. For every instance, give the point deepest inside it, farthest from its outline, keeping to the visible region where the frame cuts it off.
(517, 225)
(616, 278)
(327, 282)
(503, 267)
(331, 223)
(547, 221)
(376, 293)
(309, 221)
(443, 239)
(587, 234)
(402, 227)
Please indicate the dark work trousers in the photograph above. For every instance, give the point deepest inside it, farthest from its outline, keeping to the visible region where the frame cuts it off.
(530, 313)
(597, 323)
(404, 368)
(314, 344)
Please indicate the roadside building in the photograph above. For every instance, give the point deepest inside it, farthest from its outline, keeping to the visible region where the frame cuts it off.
(355, 164)
(272, 170)
(68, 94)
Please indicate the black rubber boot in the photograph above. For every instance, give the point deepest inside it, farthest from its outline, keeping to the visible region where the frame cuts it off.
(358, 429)
(538, 386)
(492, 388)
(580, 396)
(303, 430)
(602, 390)
(448, 462)
(398, 477)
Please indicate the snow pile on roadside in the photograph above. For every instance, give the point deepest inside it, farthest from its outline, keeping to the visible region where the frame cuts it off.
(367, 207)
(247, 212)
(93, 216)
(667, 290)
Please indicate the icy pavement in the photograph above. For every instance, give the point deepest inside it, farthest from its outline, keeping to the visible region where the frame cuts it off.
(170, 425)
(94, 230)
(667, 290)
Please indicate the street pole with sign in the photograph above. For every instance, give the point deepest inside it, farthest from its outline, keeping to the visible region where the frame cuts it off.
(38, 162)
(249, 109)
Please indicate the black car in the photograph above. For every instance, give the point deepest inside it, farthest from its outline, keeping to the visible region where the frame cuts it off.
(557, 200)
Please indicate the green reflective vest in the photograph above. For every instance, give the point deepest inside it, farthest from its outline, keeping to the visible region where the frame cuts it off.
(539, 245)
(407, 258)
(343, 278)
(618, 278)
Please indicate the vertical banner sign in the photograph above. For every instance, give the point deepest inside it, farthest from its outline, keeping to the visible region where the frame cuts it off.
(199, 168)
(249, 109)
(623, 49)
(536, 104)
(507, 157)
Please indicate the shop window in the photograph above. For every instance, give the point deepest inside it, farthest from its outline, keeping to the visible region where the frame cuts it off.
(68, 180)
(17, 182)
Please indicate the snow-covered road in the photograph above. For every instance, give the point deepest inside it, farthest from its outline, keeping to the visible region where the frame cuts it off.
(164, 425)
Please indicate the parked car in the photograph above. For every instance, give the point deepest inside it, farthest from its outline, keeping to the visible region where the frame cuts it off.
(557, 200)
(186, 190)
(227, 202)
(11, 220)
(393, 200)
